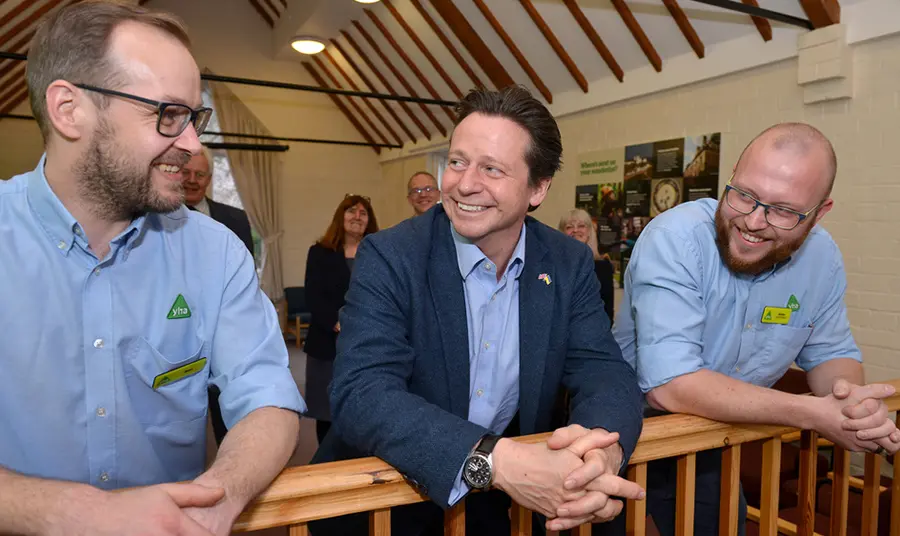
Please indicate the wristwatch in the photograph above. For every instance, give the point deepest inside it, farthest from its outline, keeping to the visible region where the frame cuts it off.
(478, 471)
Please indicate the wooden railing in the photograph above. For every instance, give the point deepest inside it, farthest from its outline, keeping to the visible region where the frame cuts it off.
(307, 493)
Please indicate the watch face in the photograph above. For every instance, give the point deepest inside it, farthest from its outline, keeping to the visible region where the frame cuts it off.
(478, 471)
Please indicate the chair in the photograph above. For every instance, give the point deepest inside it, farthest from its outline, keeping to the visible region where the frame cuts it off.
(298, 314)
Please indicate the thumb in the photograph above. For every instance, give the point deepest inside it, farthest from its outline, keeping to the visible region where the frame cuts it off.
(563, 437)
(187, 495)
(840, 389)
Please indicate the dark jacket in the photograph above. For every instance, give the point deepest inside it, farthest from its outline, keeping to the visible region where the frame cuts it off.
(327, 280)
(233, 218)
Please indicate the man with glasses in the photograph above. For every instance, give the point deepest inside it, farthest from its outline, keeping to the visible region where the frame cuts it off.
(121, 307)
(422, 192)
(723, 297)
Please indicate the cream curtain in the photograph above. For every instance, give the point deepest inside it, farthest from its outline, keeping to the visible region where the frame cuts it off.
(257, 176)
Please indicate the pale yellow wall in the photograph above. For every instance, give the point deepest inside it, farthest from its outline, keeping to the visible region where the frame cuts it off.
(395, 174)
(866, 135)
(20, 144)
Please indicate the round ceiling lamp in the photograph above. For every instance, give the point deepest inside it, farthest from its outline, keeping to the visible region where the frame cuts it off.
(307, 45)
(368, 1)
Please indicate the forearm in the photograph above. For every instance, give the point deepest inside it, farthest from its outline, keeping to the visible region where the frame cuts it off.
(30, 505)
(253, 453)
(716, 396)
(822, 377)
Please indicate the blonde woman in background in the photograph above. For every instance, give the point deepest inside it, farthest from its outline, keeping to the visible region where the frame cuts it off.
(577, 223)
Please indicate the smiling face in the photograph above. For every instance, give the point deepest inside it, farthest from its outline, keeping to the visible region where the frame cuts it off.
(486, 191)
(356, 219)
(196, 179)
(578, 230)
(418, 198)
(792, 179)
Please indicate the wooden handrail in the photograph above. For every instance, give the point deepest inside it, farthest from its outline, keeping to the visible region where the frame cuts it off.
(306, 493)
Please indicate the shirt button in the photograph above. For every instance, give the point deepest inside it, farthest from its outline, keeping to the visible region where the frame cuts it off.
(487, 345)
(737, 369)
(78, 231)
(97, 271)
(104, 477)
(749, 326)
(479, 392)
(101, 412)
(98, 343)
(488, 266)
(61, 245)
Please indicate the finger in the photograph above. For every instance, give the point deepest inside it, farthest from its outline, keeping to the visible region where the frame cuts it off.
(563, 437)
(609, 512)
(841, 388)
(186, 495)
(867, 407)
(890, 446)
(876, 419)
(873, 390)
(585, 506)
(883, 431)
(616, 486)
(567, 523)
(189, 527)
(596, 439)
(594, 466)
(895, 437)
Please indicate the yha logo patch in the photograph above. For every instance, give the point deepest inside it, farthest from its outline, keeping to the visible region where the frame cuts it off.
(179, 309)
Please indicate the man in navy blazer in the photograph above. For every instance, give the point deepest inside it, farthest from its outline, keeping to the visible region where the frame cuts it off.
(461, 327)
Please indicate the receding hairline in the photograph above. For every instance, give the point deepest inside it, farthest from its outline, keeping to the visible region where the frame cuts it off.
(416, 174)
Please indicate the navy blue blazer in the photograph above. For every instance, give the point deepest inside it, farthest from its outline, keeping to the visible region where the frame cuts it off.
(401, 377)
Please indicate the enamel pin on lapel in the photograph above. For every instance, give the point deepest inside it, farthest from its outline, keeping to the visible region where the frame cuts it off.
(545, 278)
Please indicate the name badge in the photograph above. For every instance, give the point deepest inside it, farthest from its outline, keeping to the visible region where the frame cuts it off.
(776, 315)
(180, 373)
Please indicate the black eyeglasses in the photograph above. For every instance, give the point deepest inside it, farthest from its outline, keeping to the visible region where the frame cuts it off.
(780, 217)
(171, 117)
(420, 191)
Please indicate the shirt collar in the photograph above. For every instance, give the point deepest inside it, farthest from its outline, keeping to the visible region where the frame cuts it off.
(202, 206)
(469, 256)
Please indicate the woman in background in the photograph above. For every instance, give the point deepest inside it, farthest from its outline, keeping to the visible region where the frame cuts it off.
(328, 268)
(577, 223)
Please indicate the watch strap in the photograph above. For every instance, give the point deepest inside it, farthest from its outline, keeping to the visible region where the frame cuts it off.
(487, 444)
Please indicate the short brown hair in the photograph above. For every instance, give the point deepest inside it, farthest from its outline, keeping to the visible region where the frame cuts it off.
(334, 236)
(72, 44)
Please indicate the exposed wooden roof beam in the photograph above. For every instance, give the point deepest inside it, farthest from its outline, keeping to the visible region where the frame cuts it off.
(359, 112)
(368, 102)
(635, 28)
(511, 45)
(409, 62)
(13, 91)
(446, 41)
(822, 13)
(337, 102)
(275, 13)
(17, 10)
(476, 47)
(398, 75)
(23, 24)
(555, 44)
(14, 103)
(594, 37)
(763, 25)
(427, 53)
(687, 29)
(369, 85)
(263, 13)
(17, 74)
(385, 83)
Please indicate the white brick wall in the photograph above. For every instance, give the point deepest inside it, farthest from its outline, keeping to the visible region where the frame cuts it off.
(865, 131)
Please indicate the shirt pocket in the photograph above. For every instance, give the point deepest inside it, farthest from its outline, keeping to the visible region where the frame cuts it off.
(781, 346)
(180, 400)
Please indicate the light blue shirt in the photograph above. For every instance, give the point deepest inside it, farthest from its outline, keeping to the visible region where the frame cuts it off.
(684, 310)
(492, 319)
(87, 342)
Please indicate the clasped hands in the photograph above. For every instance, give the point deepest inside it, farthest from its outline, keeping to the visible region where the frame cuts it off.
(572, 479)
(858, 418)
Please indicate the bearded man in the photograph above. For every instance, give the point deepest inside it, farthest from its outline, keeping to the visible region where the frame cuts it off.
(121, 307)
(723, 297)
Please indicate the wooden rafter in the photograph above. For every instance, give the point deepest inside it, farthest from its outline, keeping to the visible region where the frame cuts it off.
(17, 10)
(763, 25)
(555, 44)
(25, 23)
(13, 91)
(409, 63)
(371, 87)
(351, 100)
(822, 13)
(16, 74)
(686, 27)
(476, 47)
(427, 53)
(594, 37)
(446, 41)
(274, 9)
(284, 4)
(13, 103)
(398, 75)
(635, 28)
(337, 102)
(511, 45)
(368, 102)
(263, 13)
(387, 85)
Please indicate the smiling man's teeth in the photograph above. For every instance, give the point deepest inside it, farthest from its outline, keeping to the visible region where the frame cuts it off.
(470, 208)
(169, 168)
(751, 238)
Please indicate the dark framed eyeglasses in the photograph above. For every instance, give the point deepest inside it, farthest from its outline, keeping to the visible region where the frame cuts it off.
(420, 191)
(171, 117)
(780, 217)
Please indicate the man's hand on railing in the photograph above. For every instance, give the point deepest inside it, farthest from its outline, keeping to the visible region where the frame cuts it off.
(867, 413)
(598, 477)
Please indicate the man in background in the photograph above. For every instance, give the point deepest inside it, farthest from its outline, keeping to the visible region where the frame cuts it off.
(422, 192)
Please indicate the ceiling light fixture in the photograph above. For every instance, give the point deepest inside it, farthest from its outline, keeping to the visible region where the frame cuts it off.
(368, 1)
(307, 45)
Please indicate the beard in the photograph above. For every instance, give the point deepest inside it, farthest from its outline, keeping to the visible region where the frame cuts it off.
(781, 252)
(118, 188)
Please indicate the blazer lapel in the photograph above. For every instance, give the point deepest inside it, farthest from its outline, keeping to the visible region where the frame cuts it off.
(537, 298)
(449, 301)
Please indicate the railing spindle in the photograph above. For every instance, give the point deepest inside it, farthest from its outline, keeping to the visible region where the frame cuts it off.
(582, 530)
(636, 511)
(380, 522)
(768, 503)
(809, 452)
(684, 495)
(871, 495)
(455, 519)
(521, 520)
(840, 489)
(730, 491)
(298, 530)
